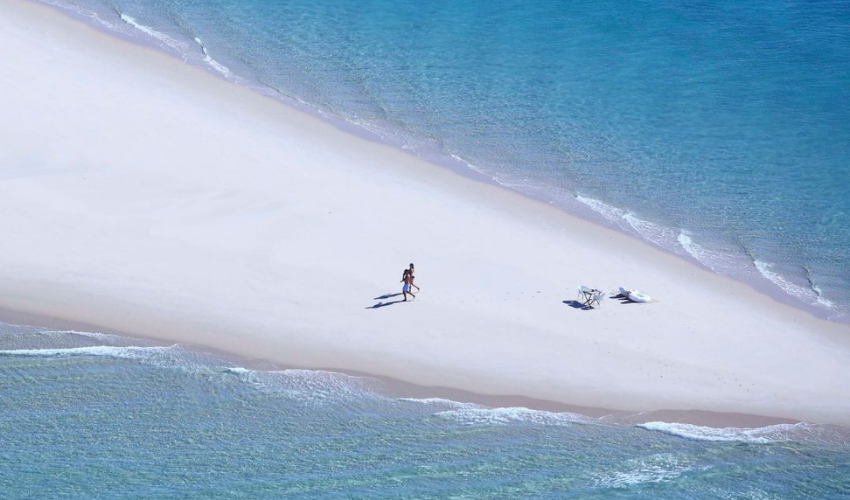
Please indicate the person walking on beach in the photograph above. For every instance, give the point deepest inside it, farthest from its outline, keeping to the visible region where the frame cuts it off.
(407, 280)
(412, 277)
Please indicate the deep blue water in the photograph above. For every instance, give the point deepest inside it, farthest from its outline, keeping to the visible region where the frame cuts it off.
(98, 416)
(717, 130)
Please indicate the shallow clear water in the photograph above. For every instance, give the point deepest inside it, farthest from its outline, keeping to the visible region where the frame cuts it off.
(717, 130)
(99, 416)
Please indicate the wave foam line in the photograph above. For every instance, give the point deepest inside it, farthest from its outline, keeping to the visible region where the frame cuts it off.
(800, 432)
(817, 289)
(322, 384)
(810, 295)
(472, 167)
(36, 330)
(653, 469)
(156, 35)
(709, 259)
(224, 70)
(79, 11)
(628, 221)
(104, 337)
(502, 416)
(699, 433)
(448, 403)
(128, 352)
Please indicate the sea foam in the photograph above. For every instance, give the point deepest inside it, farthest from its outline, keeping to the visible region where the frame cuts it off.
(799, 432)
(477, 415)
(716, 261)
(651, 469)
(662, 236)
(166, 40)
(224, 70)
(808, 295)
(128, 352)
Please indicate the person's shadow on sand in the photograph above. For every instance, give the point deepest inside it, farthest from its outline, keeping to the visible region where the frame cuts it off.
(384, 304)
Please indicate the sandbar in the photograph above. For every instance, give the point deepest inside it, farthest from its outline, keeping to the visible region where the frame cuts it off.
(144, 195)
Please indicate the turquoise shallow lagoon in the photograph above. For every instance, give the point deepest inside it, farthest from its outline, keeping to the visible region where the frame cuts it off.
(717, 130)
(99, 416)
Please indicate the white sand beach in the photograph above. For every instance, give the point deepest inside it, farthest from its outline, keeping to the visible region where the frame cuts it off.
(150, 197)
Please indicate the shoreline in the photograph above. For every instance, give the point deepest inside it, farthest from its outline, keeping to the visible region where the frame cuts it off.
(103, 230)
(757, 281)
(395, 388)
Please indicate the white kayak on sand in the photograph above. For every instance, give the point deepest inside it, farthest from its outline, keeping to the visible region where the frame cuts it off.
(635, 296)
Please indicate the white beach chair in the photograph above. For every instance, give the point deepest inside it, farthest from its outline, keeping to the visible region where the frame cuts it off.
(582, 291)
(596, 298)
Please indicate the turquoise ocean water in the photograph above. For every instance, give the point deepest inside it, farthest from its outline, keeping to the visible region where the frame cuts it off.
(717, 130)
(87, 415)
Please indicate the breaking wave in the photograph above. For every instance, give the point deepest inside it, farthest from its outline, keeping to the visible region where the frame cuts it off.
(127, 352)
(166, 40)
(662, 236)
(224, 70)
(810, 295)
(652, 469)
(800, 432)
(479, 415)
